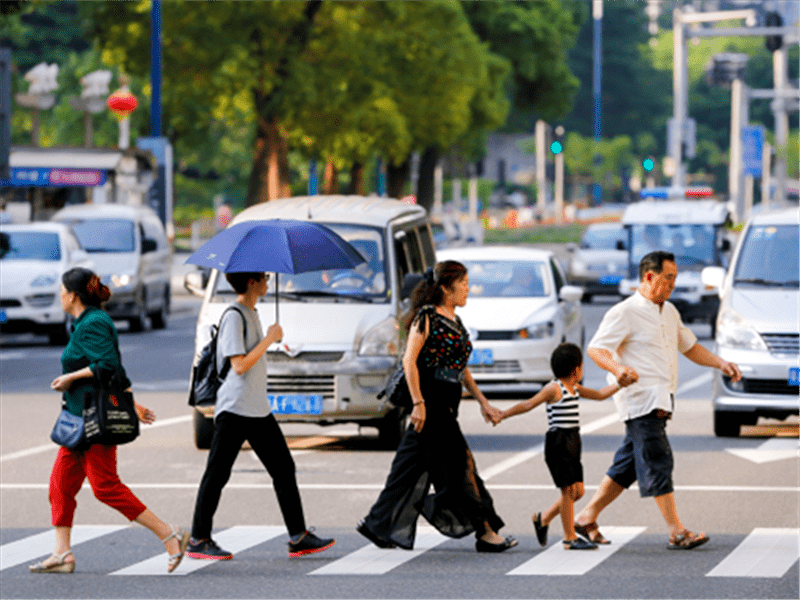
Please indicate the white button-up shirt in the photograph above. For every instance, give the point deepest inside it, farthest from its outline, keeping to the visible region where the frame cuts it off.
(642, 335)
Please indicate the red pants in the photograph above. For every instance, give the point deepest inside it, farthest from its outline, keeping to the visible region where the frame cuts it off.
(99, 464)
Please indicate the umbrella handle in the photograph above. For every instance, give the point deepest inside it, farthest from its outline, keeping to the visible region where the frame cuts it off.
(277, 320)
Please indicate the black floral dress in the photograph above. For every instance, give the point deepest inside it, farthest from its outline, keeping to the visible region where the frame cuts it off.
(438, 456)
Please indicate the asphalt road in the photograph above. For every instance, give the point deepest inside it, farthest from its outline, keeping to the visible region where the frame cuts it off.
(742, 492)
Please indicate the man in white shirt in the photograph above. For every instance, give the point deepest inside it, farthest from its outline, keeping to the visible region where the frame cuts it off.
(638, 343)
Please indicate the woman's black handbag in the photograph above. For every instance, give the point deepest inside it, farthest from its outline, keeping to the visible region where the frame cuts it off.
(68, 430)
(109, 414)
(396, 390)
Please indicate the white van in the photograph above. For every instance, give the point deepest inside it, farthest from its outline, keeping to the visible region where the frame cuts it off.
(695, 232)
(132, 256)
(342, 336)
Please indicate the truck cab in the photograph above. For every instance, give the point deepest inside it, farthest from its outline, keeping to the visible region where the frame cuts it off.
(696, 232)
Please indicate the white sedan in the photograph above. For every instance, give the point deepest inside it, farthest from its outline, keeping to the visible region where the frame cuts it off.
(519, 309)
(33, 256)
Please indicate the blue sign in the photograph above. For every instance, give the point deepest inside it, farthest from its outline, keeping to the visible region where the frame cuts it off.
(46, 177)
(752, 146)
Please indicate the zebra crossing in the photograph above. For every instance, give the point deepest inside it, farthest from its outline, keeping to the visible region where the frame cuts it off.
(764, 553)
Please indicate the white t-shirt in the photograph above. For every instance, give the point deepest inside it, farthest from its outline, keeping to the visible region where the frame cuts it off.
(246, 394)
(642, 335)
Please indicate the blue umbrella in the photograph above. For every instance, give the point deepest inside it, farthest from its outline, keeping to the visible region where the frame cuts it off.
(278, 246)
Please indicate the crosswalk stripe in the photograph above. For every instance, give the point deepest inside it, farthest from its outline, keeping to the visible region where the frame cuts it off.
(763, 553)
(41, 544)
(371, 560)
(236, 539)
(557, 561)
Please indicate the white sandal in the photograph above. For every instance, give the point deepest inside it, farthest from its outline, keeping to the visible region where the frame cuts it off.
(183, 541)
(58, 567)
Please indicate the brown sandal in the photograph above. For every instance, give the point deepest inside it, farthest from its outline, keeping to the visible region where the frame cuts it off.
(686, 540)
(588, 529)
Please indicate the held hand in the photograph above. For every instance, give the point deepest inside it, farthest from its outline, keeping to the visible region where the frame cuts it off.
(418, 416)
(491, 414)
(275, 333)
(145, 415)
(61, 383)
(627, 376)
(731, 370)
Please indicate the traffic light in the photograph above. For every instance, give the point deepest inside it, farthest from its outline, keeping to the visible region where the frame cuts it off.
(648, 164)
(557, 145)
(774, 42)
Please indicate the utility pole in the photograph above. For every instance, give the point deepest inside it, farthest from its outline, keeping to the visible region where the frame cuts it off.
(541, 166)
(780, 76)
(597, 74)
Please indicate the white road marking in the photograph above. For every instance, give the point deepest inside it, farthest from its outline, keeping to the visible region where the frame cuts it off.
(371, 560)
(693, 383)
(235, 539)
(41, 544)
(521, 457)
(557, 561)
(771, 450)
(763, 553)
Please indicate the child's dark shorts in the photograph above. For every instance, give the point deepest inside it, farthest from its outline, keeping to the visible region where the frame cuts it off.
(562, 453)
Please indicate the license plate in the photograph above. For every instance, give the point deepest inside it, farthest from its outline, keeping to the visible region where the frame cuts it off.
(295, 404)
(794, 376)
(3, 317)
(481, 356)
(610, 279)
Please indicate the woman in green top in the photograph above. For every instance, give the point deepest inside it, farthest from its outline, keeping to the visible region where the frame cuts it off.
(93, 347)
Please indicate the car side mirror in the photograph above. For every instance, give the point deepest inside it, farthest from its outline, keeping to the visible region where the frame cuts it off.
(571, 247)
(620, 245)
(410, 281)
(713, 277)
(193, 282)
(570, 293)
(148, 245)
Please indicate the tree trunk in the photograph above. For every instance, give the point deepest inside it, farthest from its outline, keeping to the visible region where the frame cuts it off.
(396, 177)
(331, 179)
(269, 177)
(257, 186)
(427, 166)
(357, 179)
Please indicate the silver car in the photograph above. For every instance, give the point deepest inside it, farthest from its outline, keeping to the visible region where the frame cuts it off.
(757, 325)
(601, 260)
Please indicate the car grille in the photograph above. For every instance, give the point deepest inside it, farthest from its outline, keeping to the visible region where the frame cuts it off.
(762, 386)
(281, 357)
(41, 300)
(496, 335)
(9, 303)
(782, 343)
(324, 385)
(500, 367)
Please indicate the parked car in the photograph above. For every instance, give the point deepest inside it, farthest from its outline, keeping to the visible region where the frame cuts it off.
(33, 256)
(132, 257)
(342, 337)
(600, 262)
(695, 231)
(519, 309)
(757, 325)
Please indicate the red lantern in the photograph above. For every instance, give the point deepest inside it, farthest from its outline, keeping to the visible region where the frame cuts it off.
(122, 103)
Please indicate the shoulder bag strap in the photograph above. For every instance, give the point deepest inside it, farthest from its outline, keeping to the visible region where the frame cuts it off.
(227, 366)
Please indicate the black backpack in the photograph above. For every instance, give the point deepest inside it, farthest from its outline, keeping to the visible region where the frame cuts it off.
(205, 379)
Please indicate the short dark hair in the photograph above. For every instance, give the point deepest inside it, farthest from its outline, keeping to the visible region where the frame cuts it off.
(654, 262)
(239, 281)
(565, 359)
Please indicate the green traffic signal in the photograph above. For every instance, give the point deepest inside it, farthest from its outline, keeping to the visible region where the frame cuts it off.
(556, 147)
(648, 164)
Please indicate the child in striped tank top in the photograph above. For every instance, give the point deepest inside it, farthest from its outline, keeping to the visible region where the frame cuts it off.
(562, 448)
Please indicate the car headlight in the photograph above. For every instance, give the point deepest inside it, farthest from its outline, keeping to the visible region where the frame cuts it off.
(123, 281)
(381, 340)
(44, 281)
(734, 331)
(536, 331)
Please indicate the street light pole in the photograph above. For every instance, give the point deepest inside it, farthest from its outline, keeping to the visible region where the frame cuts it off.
(779, 67)
(679, 95)
(597, 73)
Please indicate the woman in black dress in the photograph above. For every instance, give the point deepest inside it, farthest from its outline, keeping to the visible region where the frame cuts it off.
(433, 450)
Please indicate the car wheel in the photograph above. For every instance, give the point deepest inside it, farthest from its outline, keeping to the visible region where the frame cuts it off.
(159, 318)
(59, 334)
(392, 428)
(726, 424)
(139, 321)
(203, 430)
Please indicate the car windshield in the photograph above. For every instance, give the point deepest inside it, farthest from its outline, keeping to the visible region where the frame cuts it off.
(769, 257)
(605, 238)
(692, 245)
(366, 282)
(105, 235)
(506, 278)
(29, 245)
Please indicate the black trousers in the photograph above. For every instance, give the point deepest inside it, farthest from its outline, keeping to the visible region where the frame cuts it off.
(267, 441)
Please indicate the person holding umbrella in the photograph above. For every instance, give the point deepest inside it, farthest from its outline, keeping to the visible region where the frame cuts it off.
(242, 412)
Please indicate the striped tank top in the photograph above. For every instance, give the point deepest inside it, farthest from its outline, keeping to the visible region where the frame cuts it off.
(564, 413)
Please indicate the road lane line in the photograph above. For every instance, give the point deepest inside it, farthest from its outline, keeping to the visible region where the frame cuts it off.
(693, 383)
(42, 544)
(371, 560)
(557, 561)
(521, 457)
(235, 539)
(766, 552)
